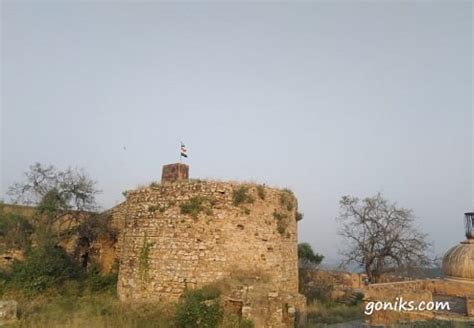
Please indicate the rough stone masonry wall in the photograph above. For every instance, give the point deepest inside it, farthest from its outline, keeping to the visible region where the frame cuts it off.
(164, 251)
(458, 293)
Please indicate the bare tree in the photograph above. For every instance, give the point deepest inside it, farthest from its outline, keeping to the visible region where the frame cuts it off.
(59, 196)
(74, 187)
(380, 237)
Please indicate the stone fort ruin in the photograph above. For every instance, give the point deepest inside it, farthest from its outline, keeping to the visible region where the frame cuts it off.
(184, 234)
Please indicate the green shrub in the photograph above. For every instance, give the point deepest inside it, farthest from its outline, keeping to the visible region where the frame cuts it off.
(3, 281)
(15, 230)
(299, 216)
(199, 308)
(241, 196)
(95, 281)
(196, 205)
(287, 199)
(43, 268)
(246, 323)
(279, 216)
(235, 321)
(307, 258)
(316, 288)
(281, 226)
(261, 192)
(288, 191)
(282, 221)
(153, 208)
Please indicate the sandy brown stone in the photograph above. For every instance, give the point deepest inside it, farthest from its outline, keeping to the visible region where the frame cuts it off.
(164, 250)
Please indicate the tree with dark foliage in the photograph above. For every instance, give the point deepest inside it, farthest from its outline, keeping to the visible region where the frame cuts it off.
(380, 236)
(307, 258)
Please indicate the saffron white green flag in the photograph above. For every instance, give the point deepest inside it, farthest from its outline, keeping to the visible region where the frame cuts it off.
(184, 151)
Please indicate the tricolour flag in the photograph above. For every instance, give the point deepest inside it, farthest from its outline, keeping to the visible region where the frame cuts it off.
(184, 151)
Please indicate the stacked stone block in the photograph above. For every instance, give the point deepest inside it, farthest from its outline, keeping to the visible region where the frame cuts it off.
(188, 252)
(175, 172)
(166, 248)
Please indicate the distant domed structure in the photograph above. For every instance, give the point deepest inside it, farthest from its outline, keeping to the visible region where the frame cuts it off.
(456, 288)
(458, 262)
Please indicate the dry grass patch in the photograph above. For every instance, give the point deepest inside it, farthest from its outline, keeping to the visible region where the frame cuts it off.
(332, 313)
(92, 310)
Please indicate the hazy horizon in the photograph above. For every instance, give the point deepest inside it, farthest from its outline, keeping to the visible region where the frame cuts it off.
(326, 99)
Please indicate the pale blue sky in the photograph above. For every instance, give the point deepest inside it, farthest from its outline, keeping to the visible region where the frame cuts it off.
(325, 98)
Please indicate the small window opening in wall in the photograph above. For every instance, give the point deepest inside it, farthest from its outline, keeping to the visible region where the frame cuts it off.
(270, 249)
(241, 227)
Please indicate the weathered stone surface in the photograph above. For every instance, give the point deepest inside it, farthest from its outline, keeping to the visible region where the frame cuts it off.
(458, 262)
(175, 172)
(7, 258)
(470, 305)
(420, 290)
(164, 250)
(8, 311)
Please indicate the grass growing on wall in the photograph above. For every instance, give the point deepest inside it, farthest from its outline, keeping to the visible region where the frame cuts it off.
(261, 192)
(299, 216)
(282, 221)
(196, 205)
(144, 260)
(241, 196)
(287, 199)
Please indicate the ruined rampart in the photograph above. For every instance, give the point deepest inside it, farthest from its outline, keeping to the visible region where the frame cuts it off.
(458, 294)
(190, 234)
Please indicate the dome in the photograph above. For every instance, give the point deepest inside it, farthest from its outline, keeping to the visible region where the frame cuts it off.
(458, 262)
